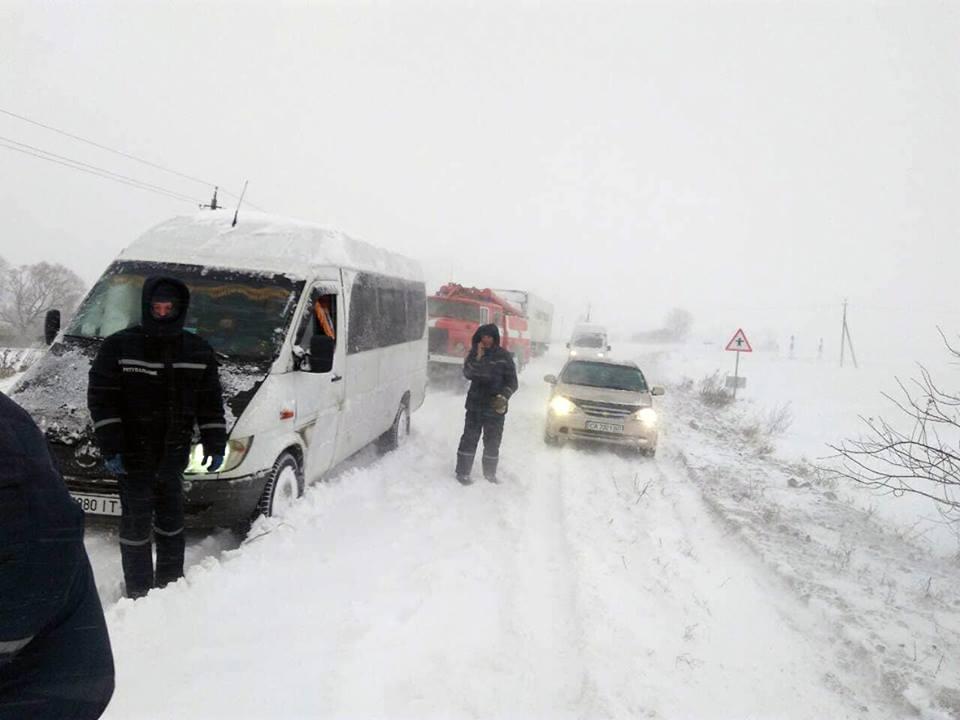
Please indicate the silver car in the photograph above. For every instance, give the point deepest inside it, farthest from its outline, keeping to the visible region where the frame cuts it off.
(604, 401)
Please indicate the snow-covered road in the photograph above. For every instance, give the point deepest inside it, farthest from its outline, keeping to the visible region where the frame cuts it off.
(588, 584)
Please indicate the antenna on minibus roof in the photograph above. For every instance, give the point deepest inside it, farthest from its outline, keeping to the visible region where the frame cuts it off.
(242, 193)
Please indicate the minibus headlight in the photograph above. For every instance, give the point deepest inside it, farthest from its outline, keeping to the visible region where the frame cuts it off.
(237, 449)
(561, 406)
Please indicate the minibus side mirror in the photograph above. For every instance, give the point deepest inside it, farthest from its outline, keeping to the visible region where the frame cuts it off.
(609, 348)
(321, 353)
(51, 326)
(568, 346)
(552, 379)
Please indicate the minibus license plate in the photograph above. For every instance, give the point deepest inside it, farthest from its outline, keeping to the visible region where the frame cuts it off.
(98, 504)
(604, 427)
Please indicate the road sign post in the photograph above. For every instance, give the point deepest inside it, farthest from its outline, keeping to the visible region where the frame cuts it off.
(738, 344)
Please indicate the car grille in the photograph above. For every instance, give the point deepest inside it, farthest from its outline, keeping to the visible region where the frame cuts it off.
(438, 340)
(605, 409)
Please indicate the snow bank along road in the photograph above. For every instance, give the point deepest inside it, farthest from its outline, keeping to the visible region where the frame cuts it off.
(588, 585)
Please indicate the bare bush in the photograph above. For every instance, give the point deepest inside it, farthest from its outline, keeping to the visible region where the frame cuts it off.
(678, 323)
(777, 420)
(923, 460)
(712, 390)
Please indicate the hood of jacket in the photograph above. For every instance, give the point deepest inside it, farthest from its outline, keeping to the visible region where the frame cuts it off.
(165, 327)
(491, 330)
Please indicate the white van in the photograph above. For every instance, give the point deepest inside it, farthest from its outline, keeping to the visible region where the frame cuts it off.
(297, 402)
(589, 342)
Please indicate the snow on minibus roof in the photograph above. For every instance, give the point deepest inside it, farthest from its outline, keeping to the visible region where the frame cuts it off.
(263, 243)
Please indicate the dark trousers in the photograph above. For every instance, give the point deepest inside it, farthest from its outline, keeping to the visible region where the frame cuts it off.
(66, 671)
(478, 423)
(151, 500)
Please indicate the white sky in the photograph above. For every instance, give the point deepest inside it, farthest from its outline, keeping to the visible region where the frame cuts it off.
(753, 162)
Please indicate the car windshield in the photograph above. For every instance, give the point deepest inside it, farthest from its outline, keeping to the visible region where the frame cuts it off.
(604, 375)
(242, 315)
(589, 341)
(451, 309)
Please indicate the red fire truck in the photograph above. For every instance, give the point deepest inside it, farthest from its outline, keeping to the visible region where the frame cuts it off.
(456, 312)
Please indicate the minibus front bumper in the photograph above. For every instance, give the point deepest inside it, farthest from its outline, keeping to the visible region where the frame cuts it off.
(208, 501)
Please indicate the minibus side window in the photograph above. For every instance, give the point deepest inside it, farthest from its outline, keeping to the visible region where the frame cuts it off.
(319, 318)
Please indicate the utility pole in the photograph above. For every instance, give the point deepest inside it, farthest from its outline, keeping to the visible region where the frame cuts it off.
(845, 338)
(213, 203)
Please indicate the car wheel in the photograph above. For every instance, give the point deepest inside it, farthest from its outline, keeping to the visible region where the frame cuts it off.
(398, 433)
(283, 488)
(551, 440)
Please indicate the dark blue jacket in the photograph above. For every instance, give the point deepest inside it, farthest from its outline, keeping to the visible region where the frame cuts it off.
(41, 528)
(151, 384)
(493, 374)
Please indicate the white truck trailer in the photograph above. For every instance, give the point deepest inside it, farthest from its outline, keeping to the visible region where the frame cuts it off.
(539, 314)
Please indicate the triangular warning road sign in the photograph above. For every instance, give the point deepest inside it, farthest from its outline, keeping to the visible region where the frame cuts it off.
(739, 343)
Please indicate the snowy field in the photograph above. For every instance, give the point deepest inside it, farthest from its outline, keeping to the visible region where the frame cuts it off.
(714, 581)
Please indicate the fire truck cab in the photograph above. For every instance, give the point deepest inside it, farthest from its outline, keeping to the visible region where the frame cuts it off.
(455, 313)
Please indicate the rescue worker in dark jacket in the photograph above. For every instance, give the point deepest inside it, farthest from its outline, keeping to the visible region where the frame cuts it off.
(149, 386)
(55, 657)
(493, 379)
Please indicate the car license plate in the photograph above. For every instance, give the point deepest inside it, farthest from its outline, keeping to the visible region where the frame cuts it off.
(604, 427)
(98, 504)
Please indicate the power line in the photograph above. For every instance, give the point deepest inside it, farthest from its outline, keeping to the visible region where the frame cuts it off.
(123, 154)
(94, 170)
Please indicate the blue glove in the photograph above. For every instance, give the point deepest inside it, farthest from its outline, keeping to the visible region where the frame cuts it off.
(114, 465)
(215, 462)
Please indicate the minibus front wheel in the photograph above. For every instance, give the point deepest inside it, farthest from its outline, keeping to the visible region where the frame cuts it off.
(283, 488)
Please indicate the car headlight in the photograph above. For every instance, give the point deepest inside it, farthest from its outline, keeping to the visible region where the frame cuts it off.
(647, 416)
(599, 354)
(573, 353)
(237, 449)
(561, 406)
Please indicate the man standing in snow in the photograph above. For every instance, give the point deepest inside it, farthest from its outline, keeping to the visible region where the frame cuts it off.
(55, 657)
(493, 379)
(149, 386)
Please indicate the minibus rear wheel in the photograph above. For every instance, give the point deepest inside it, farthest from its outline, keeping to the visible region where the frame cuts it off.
(398, 432)
(283, 488)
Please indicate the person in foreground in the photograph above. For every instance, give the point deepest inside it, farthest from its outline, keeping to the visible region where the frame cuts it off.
(55, 657)
(493, 379)
(149, 386)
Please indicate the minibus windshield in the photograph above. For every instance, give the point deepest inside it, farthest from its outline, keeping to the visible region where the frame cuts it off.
(242, 314)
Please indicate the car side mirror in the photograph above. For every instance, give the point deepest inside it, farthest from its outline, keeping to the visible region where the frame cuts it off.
(51, 326)
(609, 348)
(552, 379)
(568, 346)
(657, 390)
(321, 353)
